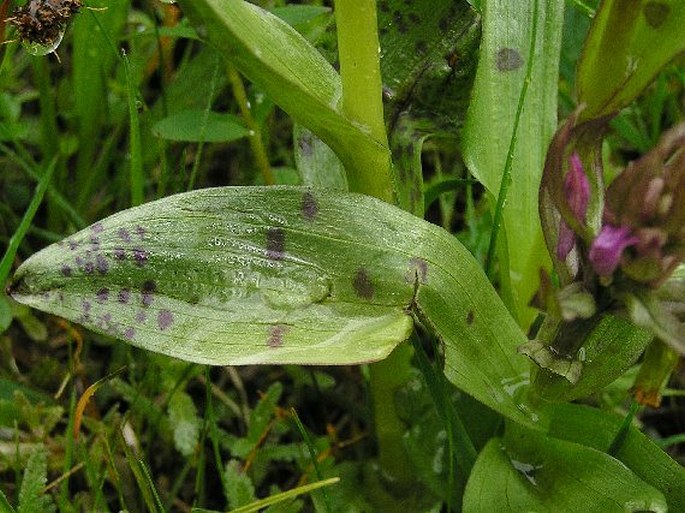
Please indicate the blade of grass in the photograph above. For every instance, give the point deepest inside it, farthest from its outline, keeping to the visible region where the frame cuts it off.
(458, 438)
(434, 191)
(255, 138)
(210, 419)
(15, 241)
(30, 167)
(276, 498)
(620, 438)
(208, 107)
(64, 492)
(506, 174)
(5, 506)
(142, 477)
(312, 453)
(135, 149)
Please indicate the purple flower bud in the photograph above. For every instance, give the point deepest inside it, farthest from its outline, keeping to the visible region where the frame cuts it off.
(577, 192)
(608, 247)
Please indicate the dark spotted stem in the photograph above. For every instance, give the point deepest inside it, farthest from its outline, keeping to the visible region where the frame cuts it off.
(358, 45)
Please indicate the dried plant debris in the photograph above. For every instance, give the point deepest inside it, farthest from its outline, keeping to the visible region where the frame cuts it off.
(41, 23)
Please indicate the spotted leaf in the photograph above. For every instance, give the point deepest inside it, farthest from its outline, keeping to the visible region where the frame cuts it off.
(250, 275)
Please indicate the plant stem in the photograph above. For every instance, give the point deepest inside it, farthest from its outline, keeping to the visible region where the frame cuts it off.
(358, 52)
(255, 137)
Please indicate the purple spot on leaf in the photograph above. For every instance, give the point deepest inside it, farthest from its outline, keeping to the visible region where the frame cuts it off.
(305, 145)
(141, 317)
(97, 228)
(86, 306)
(310, 207)
(101, 264)
(164, 319)
(418, 269)
(102, 295)
(73, 245)
(89, 267)
(140, 256)
(94, 240)
(66, 270)
(508, 59)
(276, 334)
(656, 13)
(124, 234)
(470, 317)
(148, 290)
(124, 296)
(79, 261)
(129, 333)
(104, 321)
(362, 284)
(275, 243)
(140, 232)
(119, 254)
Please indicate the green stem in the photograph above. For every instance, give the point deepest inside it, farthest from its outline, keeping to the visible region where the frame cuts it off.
(255, 137)
(362, 91)
(362, 103)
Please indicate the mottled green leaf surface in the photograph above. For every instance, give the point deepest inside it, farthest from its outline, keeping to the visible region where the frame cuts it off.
(428, 62)
(507, 34)
(281, 275)
(555, 476)
(629, 42)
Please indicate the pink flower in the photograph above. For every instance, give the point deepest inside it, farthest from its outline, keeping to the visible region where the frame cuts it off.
(577, 192)
(608, 247)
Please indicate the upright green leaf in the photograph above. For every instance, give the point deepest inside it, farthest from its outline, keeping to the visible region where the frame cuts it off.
(595, 428)
(281, 275)
(502, 68)
(628, 43)
(554, 476)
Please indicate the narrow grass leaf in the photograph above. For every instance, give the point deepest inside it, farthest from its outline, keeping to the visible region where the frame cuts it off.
(5, 506)
(276, 498)
(135, 144)
(15, 241)
(142, 477)
(312, 454)
(460, 441)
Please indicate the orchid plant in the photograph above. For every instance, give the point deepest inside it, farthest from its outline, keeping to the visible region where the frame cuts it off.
(347, 272)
